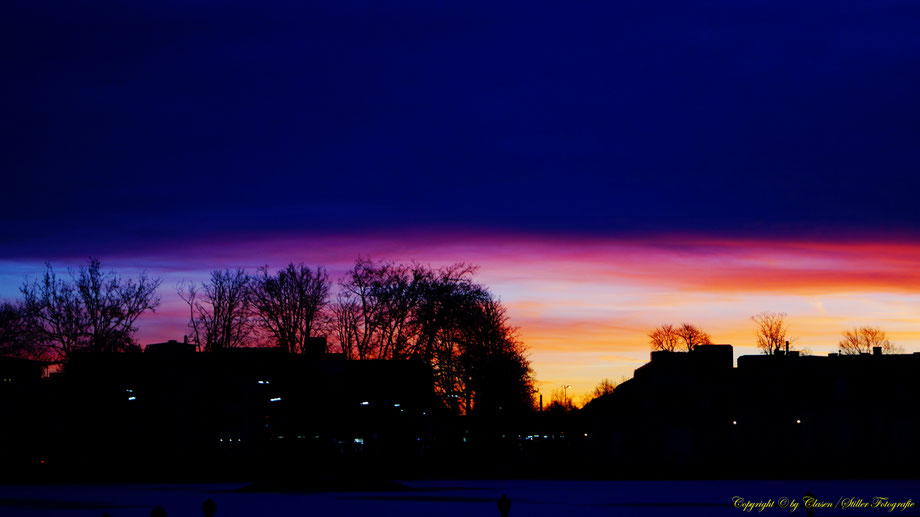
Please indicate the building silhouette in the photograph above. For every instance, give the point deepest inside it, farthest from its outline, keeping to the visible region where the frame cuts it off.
(172, 412)
(693, 414)
(170, 408)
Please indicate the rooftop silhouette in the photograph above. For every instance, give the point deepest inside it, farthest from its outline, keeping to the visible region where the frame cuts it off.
(683, 414)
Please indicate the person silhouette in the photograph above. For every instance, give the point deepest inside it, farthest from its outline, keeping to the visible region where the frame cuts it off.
(158, 512)
(504, 505)
(209, 508)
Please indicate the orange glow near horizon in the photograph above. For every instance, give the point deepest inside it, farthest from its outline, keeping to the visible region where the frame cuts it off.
(583, 306)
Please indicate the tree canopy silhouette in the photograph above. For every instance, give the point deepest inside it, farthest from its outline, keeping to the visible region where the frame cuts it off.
(378, 313)
(15, 339)
(691, 336)
(605, 387)
(220, 311)
(664, 337)
(392, 311)
(770, 331)
(94, 310)
(290, 304)
(670, 337)
(862, 340)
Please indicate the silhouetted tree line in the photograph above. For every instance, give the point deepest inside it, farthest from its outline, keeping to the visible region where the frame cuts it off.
(771, 335)
(380, 310)
(673, 337)
(862, 340)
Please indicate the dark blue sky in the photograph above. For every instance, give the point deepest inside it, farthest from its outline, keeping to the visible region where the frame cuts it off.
(127, 124)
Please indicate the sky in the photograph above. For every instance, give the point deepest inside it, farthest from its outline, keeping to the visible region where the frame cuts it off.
(609, 166)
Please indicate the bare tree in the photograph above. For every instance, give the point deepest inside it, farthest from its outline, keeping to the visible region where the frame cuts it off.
(358, 313)
(94, 311)
(771, 331)
(345, 322)
(377, 311)
(399, 294)
(664, 337)
(605, 387)
(220, 312)
(290, 303)
(691, 336)
(440, 316)
(53, 311)
(15, 339)
(862, 340)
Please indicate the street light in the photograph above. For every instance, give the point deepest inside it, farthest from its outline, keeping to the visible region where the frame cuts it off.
(565, 400)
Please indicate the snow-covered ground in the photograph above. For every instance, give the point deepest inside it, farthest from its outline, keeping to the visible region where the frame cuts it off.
(455, 498)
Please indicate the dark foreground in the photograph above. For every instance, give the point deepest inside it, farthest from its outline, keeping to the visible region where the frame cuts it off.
(461, 498)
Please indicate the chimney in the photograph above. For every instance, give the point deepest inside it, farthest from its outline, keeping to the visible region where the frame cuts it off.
(185, 339)
(787, 348)
(876, 350)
